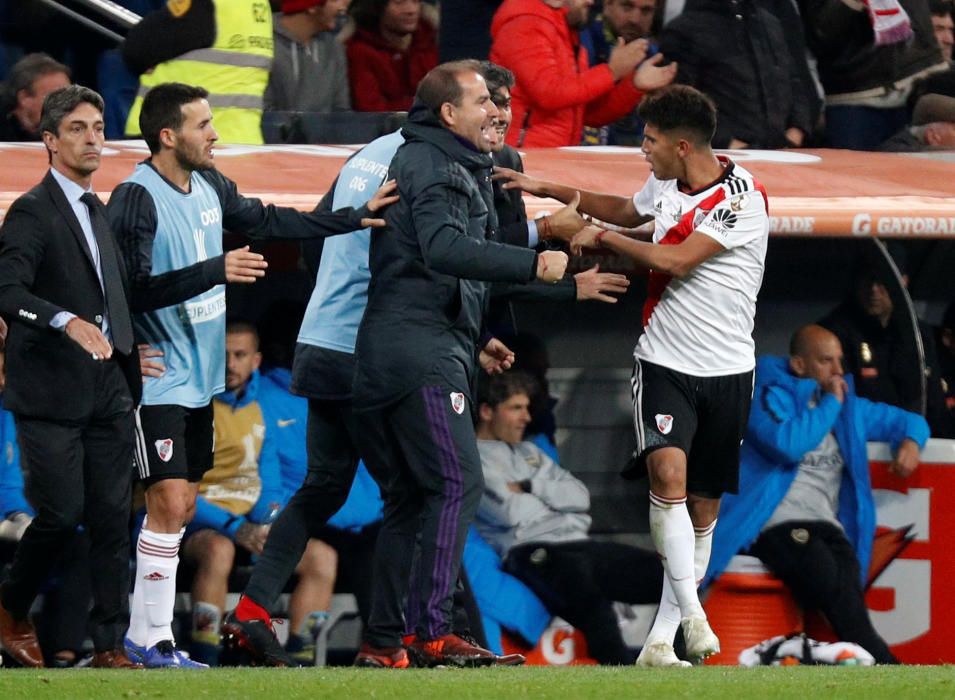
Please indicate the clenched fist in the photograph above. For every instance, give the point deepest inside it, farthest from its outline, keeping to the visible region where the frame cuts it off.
(551, 265)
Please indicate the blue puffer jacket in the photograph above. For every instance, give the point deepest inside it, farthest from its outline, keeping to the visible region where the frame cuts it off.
(782, 428)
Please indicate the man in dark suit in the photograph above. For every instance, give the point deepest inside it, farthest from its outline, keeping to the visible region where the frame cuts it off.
(72, 379)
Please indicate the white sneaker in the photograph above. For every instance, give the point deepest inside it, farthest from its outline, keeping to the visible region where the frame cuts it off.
(660, 654)
(700, 640)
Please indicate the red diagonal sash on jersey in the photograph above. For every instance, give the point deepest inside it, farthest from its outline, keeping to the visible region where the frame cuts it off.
(657, 281)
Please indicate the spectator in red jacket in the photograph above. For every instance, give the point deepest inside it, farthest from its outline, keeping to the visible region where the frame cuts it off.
(391, 51)
(556, 92)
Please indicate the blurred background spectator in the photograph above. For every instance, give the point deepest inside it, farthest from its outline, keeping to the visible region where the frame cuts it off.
(867, 81)
(627, 20)
(736, 52)
(28, 83)
(876, 334)
(391, 50)
(943, 24)
(309, 71)
(932, 127)
(557, 93)
(223, 45)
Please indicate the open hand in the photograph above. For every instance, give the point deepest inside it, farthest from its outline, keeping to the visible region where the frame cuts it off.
(650, 75)
(242, 266)
(624, 57)
(595, 285)
(386, 194)
(514, 180)
(585, 238)
(90, 338)
(148, 366)
(566, 221)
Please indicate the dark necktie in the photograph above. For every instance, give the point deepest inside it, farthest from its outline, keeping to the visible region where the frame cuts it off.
(120, 325)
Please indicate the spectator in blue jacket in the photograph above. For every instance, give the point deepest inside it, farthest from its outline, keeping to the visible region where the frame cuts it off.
(805, 504)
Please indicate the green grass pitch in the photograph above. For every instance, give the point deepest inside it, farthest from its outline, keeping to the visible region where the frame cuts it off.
(799, 683)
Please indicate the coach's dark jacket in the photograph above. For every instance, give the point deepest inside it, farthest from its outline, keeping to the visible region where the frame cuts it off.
(425, 300)
(45, 268)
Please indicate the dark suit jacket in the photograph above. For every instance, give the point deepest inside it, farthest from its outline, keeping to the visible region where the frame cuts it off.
(45, 268)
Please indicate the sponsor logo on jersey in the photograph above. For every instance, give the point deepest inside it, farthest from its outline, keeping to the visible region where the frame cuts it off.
(457, 402)
(285, 422)
(155, 576)
(724, 218)
(164, 449)
(664, 423)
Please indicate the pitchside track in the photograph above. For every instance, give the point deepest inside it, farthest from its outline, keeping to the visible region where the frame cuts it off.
(803, 683)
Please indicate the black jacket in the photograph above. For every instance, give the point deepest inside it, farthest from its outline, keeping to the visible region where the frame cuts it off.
(843, 43)
(512, 229)
(45, 269)
(885, 365)
(737, 53)
(428, 293)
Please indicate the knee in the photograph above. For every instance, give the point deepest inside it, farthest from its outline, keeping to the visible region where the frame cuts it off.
(667, 469)
(170, 504)
(319, 560)
(213, 553)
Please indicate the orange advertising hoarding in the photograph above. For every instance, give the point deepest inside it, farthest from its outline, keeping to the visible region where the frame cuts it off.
(812, 192)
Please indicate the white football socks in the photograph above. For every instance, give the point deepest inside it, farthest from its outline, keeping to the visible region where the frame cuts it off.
(668, 617)
(154, 595)
(674, 539)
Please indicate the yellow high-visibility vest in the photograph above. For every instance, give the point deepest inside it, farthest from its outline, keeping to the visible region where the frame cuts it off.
(235, 71)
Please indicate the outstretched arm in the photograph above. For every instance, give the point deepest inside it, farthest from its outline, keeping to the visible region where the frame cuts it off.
(614, 209)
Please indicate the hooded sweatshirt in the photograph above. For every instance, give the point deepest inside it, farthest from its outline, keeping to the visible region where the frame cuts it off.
(309, 78)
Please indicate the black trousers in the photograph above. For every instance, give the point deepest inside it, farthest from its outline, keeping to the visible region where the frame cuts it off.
(816, 561)
(579, 581)
(79, 474)
(331, 434)
(423, 453)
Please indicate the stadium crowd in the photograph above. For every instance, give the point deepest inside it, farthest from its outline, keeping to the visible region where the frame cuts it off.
(287, 451)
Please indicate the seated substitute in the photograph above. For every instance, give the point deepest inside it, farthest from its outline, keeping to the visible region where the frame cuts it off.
(805, 504)
(238, 499)
(534, 513)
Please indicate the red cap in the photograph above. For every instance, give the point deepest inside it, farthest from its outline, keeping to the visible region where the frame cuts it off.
(292, 6)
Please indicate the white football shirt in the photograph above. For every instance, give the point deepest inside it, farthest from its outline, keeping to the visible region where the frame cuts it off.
(702, 324)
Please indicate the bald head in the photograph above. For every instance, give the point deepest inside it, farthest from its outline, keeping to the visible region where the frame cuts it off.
(815, 353)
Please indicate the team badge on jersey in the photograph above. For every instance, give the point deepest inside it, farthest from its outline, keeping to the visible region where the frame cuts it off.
(738, 203)
(457, 402)
(664, 423)
(164, 449)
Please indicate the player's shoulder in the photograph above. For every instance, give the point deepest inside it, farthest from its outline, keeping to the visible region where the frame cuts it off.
(739, 180)
(741, 190)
